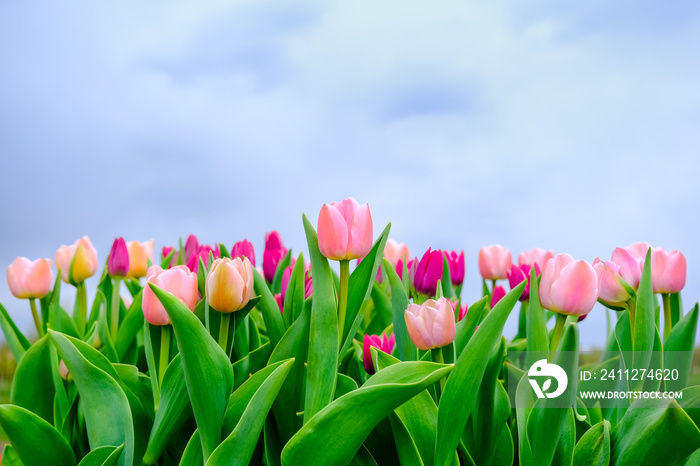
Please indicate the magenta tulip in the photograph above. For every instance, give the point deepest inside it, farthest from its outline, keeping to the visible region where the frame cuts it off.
(178, 281)
(30, 279)
(164, 253)
(494, 262)
(668, 271)
(517, 274)
(428, 272)
(191, 247)
(463, 312)
(498, 293)
(345, 230)
(118, 259)
(456, 263)
(273, 254)
(535, 256)
(229, 285)
(568, 287)
(382, 343)
(244, 249)
(202, 253)
(432, 324)
(395, 252)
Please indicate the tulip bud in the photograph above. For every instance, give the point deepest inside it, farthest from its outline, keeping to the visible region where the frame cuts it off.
(456, 263)
(517, 274)
(638, 250)
(273, 240)
(191, 247)
(381, 343)
(30, 279)
(395, 252)
(273, 254)
(118, 259)
(630, 268)
(203, 253)
(609, 288)
(568, 287)
(77, 262)
(432, 324)
(166, 252)
(345, 230)
(178, 281)
(139, 255)
(668, 271)
(244, 249)
(494, 262)
(463, 312)
(229, 284)
(535, 256)
(63, 370)
(428, 272)
(498, 293)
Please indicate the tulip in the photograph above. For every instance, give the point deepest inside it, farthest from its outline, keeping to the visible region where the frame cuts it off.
(272, 255)
(456, 263)
(428, 272)
(273, 240)
(345, 230)
(395, 252)
(630, 267)
(382, 343)
(191, 247)
(30, 279)
(568, 287)
(287, 275)
(229, 284)
(118, 259)
(244, 249)
(166, 252)
(535, 256)
(494, 262)
(178, 281)
(432, 324)
(399, 269)
(202, 253)
(77, 262)
(517, 274)
(139, 255)
(498, 293)
(668, 271)
(610, 290)
(638, 250)
(463, 312)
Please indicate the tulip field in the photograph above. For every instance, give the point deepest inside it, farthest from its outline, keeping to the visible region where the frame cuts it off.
(201, 355)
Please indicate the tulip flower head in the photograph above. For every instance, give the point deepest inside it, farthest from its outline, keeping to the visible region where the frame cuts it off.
(345, 230)
(668, 271)
(308, 286)
(517, 274)
(638, 250)
(432, 324)
(273, 254)
(178, 281)
(498, 293)
(463, 312)
(610, 290)
(139, 255)
(395, 252)
(535, 256)
(427, 272)
(118, 259)
(567, 286)
(165, 252)
(494, 262)
(30, 279)
(191, 247)
(229, 285)
(77, 262)
(244, 249)
(202, 253)
(456, 263)
(382, 343)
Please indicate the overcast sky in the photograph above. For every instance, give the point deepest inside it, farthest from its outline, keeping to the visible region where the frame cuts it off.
(571, 127)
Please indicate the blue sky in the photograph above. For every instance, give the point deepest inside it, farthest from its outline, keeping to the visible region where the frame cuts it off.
(571, 127)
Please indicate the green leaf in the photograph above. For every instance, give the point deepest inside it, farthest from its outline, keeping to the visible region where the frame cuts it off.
(10, 458)
(25, 429)
(294, 299)
(447, 289)
(322, 366)
(537, 334)
(466, 327)
(644, 322)
(32, 385)
(208, 371)
(691, 403)
(276, 284)
(130, 326)
(240, 444)
(15, 339)
(357, 413)
(593, 449)
(103, 456)
(269, 309)
(250, 364)
(399, 303)
(678, 349)
(405, 446)
(461, 389)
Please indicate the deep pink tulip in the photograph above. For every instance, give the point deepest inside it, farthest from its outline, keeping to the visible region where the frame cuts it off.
(178, 281)
(498, 293)
(164, 253)
(229, 285)
(609, 288)
(463, 312)
(202, 253)
(273, 240)
(568, 287)
(517, 274)
(428, 272)
(77, 262)
(345, 230)
(456, 263)
(30, 279)
(535, 256)
(395, 252)
(382, 343)
(118, 259)
(432, 324)
(399, 269)
(273, 254)
(244, 249)
(139, 255)
(191, 247)
(287, 275)
(668, 271)
(494, 262)
(280, 301)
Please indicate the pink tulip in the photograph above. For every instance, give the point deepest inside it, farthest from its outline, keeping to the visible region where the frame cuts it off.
(609, 288)
(229, 284)
(456, 263)
(381, 343)
(395, 252)
(517, 274)
(498, 293)
(77, 262)
(164, 253)
(30, 279)
(273, 254)
(432, 324)
(428, 272)
(668, 271)
(202, 253)
(244, 249)
(399, 268)
(308, 287)
(345, 230)
(191, 247)
(494, 262)
(118, 259)
(463, 312)
(139, 255)
(178, 281)
(535, 256)
(273, 240)
(638, 250)
(280, 301)
(567, 286)
(630, 266)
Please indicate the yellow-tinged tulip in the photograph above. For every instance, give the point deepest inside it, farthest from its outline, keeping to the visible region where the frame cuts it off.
(139, 253)
(77, 262)
(229, 284)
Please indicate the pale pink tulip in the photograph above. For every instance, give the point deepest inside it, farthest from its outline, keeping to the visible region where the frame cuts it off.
(345, 230)
(30, 279)
(535, 256)
(668, 271)
(395, 252)
(77, 262)
(638, 250)
(178, 281)
(609, 288)
(567, 286)
(432, 324)
(229, 284)
(494, 262)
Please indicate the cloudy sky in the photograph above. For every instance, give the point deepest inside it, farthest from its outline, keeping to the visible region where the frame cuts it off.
(572, 127)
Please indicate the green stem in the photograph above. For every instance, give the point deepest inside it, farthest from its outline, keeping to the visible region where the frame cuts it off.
(493, 286)
(164, 358)
(668, 322)
(436, 355)
(343, 298)
(223, 329)
(37, 320)
(632, 308)
(81, 297)
(556, 336)
(114, 324)
(522, 321)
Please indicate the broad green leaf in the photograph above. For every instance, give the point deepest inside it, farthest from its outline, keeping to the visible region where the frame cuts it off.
(465, 328)
(238, 447)
(644, 322)
(363, 458)
(269, 309)
(25, 429)
(294, 298)
(462, 386)
(60, 321)
(129, 327)
(15, 339)
(564, 452)
(207, 368)
(32, 385)
(276, 284)
(405, 446)
(192, 456)
(537, 334)
(357, 413)
(322, 366)
(102, 456)
(448, 290)
(678, 349)
(399, 302)
(9, 457)
(250, 364)
(593, 449)
(344, 385)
